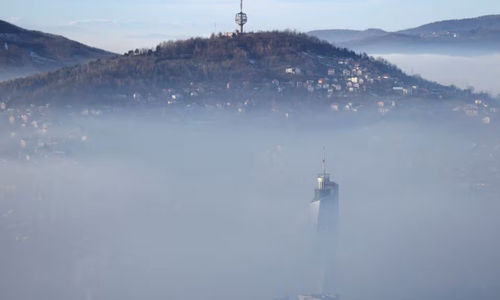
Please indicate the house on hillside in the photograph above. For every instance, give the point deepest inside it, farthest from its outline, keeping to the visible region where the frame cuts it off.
(293, 71)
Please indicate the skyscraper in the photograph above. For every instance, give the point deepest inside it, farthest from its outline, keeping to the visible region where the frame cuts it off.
(325, 206)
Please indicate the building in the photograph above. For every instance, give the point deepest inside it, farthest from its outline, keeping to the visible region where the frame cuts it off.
(326, 202)
(293, 71)
(325, 206)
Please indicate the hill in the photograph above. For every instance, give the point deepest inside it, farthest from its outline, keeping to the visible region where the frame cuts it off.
(338, 36)
(258, 68)
(465, 36)
(490, 22)
(24, 52)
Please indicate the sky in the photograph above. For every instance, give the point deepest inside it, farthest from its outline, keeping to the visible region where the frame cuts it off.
(120, 25)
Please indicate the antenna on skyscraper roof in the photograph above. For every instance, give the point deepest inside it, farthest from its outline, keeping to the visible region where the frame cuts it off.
(324, 160)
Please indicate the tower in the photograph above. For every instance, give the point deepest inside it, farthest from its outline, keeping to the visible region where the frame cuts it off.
(326, 199)
(325, 205)
(241, 17)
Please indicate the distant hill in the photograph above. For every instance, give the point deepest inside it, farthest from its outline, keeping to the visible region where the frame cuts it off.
(491, 22)
(24, 52)
(339, 36)
(263, 67)
(465, 36)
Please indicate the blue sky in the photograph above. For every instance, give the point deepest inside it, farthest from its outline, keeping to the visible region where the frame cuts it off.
(118, 25)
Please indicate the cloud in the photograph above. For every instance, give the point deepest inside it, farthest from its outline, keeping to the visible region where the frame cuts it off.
(93, 21)
(13, 19)
(156, 36)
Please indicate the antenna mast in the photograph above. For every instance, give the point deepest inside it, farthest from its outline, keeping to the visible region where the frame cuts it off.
(324, 161)
(241, 17)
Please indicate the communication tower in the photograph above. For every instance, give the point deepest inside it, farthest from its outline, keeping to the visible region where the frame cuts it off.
(241, 17)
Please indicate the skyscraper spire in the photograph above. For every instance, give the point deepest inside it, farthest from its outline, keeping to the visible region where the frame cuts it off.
(324, 160)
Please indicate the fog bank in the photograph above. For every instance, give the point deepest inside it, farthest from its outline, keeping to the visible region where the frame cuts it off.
(149, 209)
(480, 72)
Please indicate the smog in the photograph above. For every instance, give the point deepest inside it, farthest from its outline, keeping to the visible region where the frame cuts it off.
(479, 72)
(148, 208)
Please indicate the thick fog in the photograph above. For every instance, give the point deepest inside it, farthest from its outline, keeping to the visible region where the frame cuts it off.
(144, 208)
(480, 72)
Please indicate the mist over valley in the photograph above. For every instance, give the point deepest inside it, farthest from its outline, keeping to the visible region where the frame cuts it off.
(188, 170)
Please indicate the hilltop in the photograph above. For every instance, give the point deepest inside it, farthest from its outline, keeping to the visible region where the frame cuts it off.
(491, 22)
(464, 36)
(254, 69)
(24, 52)
(342, 36)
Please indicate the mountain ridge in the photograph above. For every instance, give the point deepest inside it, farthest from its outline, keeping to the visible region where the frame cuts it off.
(485, 22)
(24, 52)
(468, 36)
